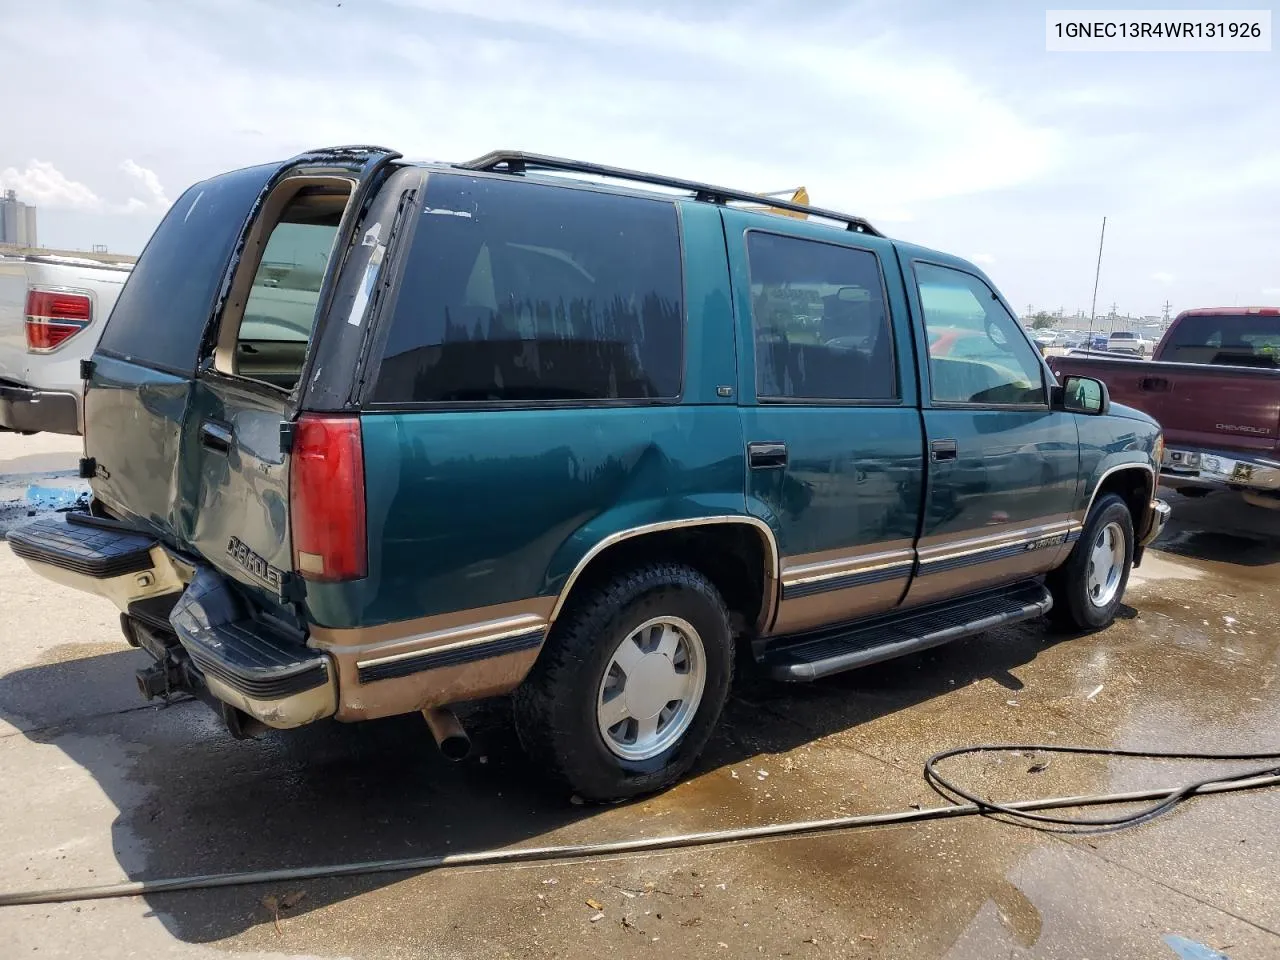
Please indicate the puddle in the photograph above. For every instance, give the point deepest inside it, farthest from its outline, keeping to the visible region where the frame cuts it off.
(1155, 568)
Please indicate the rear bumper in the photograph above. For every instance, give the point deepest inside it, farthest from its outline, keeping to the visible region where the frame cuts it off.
(29, 410)
(215, 643)
(1216, 469)
(248, 664)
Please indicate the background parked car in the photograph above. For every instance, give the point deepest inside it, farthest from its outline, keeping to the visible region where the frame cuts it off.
(1213, 386)
(1126, 341)
(52, 311)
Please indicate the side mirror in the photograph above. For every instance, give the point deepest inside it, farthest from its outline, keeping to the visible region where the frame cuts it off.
(1083, 395)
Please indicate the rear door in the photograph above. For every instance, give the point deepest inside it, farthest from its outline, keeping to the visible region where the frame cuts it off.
(145, 363)
(199, 362)
(829, 413)
(247, 388)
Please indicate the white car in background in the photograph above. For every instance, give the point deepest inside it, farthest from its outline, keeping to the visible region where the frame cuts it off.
(1126, 341)
(52, 311)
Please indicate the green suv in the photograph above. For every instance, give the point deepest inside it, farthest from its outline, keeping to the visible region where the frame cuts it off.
(368, 437)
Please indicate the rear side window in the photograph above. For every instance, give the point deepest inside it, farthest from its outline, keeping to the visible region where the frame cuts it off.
(518, 291)
(160, 317)
(821, 325)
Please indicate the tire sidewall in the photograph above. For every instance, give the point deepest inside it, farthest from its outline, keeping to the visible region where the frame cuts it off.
(700, 611)
(556, 709)
(1111, 509)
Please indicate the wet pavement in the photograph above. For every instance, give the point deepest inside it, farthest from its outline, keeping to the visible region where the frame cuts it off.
(99, 787)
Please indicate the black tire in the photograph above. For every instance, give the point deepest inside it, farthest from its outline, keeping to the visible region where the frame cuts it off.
(555, 707)
(1072, 606)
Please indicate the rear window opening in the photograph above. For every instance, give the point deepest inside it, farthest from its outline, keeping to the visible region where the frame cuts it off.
(271, 313)
(1227, 340)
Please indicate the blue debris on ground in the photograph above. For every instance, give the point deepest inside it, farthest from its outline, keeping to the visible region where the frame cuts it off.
(23, 496)
(1191, 949)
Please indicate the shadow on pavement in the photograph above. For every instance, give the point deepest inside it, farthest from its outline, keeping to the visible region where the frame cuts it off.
(1221, 528)
(191, 800)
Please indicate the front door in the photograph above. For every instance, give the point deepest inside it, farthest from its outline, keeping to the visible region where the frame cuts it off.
(1002, 465)
(833, 435)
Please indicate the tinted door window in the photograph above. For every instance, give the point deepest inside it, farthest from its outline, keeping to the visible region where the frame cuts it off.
(519, 291)
(160, 317)
(977, 351)
(821, 325)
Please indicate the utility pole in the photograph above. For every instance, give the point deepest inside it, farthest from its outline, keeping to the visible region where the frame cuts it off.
(1093, 307)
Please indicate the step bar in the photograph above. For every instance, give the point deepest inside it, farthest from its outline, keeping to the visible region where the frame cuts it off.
(820, 653)
(97, 555)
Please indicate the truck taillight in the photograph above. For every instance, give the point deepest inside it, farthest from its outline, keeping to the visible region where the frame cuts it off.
(326, 499)
(53, 318)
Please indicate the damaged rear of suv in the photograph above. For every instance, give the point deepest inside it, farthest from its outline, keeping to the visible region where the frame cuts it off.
(355, 425)
(368, 438)
(213, 492)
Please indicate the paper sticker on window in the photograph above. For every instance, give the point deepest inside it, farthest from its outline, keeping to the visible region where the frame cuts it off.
(367, 283)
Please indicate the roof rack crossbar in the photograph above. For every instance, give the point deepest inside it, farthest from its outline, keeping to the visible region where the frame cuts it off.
(516, 161)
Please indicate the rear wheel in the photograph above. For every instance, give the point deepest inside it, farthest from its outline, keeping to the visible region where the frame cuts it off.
(630, 685)
(1088, 588)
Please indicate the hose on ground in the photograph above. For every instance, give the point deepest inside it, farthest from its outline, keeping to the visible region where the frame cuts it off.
(1024, 816)
(1165, 798)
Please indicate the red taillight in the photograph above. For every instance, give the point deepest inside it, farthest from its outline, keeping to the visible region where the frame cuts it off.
(326, 499)
(54, 318)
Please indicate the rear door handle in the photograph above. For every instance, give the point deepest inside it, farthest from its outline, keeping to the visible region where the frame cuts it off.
(942, 450)
(766, 455)
(1154, 384)
(215, 436)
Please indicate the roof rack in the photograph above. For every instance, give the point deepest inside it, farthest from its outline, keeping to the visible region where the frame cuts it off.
(516, 161)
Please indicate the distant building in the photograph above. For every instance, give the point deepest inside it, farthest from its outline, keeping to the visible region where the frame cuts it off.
(17, 221)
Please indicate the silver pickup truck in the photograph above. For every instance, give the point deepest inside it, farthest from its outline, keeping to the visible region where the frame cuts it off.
(52, 311)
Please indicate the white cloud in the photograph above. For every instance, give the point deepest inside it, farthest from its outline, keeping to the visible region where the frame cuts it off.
(44, 185)
(985, 259)
(155, 196)
(1162, 276)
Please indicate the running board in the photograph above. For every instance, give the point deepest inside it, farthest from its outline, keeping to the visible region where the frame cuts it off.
(818, 653)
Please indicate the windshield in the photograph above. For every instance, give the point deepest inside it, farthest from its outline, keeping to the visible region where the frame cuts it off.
(1231, 340)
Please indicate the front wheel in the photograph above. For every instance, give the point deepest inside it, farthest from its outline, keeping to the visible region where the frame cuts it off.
(1088, 588)
(630, 685)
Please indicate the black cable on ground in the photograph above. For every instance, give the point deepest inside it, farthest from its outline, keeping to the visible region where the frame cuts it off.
(1023, 809)
(1024, 817)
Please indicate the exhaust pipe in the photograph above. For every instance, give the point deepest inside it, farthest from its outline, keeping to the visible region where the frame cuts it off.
(446, 728)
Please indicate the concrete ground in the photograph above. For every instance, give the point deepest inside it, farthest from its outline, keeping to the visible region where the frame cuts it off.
(99, 787)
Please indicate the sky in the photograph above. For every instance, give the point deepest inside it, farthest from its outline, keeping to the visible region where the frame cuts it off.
(946, 124)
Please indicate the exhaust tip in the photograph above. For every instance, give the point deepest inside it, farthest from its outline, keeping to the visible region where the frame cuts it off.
(448, 732)
(456, 748)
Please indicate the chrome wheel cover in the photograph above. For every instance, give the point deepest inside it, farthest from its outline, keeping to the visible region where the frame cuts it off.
(651, 688)
(1106, 565)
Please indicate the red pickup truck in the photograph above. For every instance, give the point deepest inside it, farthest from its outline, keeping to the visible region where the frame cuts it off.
(1213, 383)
